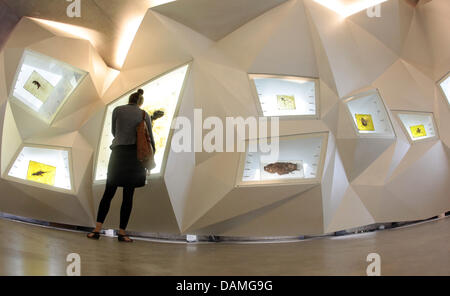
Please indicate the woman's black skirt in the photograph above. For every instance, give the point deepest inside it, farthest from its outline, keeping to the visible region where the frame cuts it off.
(124, 169)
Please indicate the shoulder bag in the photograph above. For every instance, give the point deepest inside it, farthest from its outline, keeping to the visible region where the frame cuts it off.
(145, 153)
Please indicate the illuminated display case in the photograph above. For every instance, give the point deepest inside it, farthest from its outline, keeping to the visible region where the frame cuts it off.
(300, 160)
(444, 85)
(369, 115)
(42, 166)
(419, 126)
(162, 93)
(42, 84)
(286, 95)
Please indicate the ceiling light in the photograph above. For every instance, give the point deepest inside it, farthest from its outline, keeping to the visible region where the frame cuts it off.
(153, 3)
(126, 39)
(92, 36)
(346, 8)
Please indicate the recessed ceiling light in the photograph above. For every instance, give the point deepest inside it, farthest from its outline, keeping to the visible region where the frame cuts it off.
(348, 7)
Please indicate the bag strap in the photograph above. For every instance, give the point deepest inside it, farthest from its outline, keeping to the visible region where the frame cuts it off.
(143, 114)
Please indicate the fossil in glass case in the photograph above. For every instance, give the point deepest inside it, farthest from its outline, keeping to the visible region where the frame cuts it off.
(286, 102)
(162, 96)
(158, 124)
(281, 168)
(157, 115)
(41, 173)
(418, 131)
(365, 122)
(38, 86)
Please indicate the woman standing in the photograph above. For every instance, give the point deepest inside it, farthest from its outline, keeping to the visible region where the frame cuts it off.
(124, 169)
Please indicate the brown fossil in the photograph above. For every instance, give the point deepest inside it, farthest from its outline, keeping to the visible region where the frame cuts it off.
(281, 168)
(157, 114)
(38, 85)
(39, 174)
(364, 122)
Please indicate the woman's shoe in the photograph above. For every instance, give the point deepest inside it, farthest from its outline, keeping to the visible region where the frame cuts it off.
(94, 235)
(124, 238)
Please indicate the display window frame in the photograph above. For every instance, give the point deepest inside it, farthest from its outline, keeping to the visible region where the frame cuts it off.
(252, 76)
(283, 182)
(151, 176)
(6, 175)
(406, 132)
(446, 76)
(358, 133)
(28, 109)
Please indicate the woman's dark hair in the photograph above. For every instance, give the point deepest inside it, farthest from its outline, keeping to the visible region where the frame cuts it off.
(136, 97)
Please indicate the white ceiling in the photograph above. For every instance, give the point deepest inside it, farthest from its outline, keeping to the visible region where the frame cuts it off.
(107, 17)
(216, 18)
(213, 18)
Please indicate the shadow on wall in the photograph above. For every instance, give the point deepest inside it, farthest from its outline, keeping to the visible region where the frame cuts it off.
(8, 20)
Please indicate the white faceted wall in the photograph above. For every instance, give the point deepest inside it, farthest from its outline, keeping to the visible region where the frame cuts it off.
(366, 177)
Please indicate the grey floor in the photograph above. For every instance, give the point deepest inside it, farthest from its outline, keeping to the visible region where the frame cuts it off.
(422, 249)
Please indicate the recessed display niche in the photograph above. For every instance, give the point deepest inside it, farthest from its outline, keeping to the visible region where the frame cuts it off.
(419, 126)
(42, 166)
(287, 95)
(369, 115)
(162, 93)
(42, 85)
(300, 160)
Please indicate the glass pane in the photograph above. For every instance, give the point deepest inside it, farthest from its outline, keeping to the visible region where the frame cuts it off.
(445, 86)
(419, 126)
(286, 96)
(43, 165)
(299, 158)
(43, 84)
(369, 115)
(160, 94)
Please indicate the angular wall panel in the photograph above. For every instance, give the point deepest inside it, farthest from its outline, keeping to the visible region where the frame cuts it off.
(433, 23)
(367, 178)
(391, 28)
(26, 33)
(351, 213)
(290, 50)
(3, 88)
(404, 93)
(180, 166)
(207, 189)
(299, 214)
(343, 56)
(154, 44)
(244, 44)
(358, 155)
(10, 135)
(425, 185)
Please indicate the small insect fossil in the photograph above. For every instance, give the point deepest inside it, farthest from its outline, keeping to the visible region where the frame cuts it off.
(419, 130)
(364, 122)
(281, 168)
(39, 173)
(38, 85)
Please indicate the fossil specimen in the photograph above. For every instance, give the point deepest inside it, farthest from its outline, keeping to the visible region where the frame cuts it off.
(286, 102)
(157, 114)
(39, 173)
(281, 168)
(364, 122)
(38, 85)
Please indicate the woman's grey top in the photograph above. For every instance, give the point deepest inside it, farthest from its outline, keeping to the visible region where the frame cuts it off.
(125, 119)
